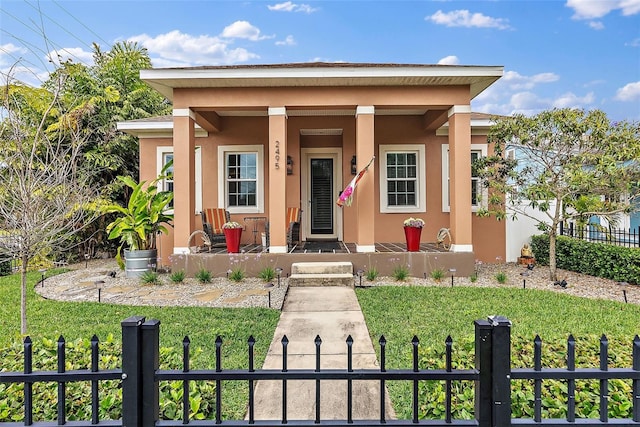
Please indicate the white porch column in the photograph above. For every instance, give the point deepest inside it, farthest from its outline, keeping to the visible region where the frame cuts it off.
(365, 193)
(184, 166)
(277, 179)
(460, 178)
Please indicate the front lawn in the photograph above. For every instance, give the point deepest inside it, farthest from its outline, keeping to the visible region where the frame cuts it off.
(433, 313)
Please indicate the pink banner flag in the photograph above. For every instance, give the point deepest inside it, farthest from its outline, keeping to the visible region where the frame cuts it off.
(346, 197)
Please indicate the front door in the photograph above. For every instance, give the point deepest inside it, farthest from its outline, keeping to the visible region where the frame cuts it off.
(322, 172)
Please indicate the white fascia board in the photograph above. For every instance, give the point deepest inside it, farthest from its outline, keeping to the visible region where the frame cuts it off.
(322, 72)
(154, 129)
(478, 127)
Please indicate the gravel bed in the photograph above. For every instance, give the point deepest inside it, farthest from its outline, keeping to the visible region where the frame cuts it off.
(82, 284)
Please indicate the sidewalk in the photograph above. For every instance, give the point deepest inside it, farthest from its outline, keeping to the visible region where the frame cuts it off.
(333, 313)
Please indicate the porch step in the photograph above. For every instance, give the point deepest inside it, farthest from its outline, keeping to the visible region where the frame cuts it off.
(321, 274)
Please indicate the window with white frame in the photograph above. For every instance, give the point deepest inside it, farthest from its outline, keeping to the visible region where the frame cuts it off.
(478, 193)
(164, 156)
(402, 178)
(240, 170)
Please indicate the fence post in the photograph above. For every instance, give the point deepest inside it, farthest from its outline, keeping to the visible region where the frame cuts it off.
(501, 370)
(483, 387)
(150, 360)
(131, 378)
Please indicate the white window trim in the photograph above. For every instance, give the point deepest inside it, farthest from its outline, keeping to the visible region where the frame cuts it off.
(446, 207)
(222, 181)
(167, 149)
(421, 181)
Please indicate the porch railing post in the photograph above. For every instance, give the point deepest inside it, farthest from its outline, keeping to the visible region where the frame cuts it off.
(150, 364)
(501, 370)
(131, 378)
(483, 387)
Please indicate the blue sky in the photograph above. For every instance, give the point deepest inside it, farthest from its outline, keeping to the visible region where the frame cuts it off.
(569, 53)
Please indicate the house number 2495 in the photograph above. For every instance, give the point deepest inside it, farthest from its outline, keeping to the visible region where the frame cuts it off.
(277, 155)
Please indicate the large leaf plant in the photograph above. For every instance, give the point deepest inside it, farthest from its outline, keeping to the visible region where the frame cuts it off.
(145, 215)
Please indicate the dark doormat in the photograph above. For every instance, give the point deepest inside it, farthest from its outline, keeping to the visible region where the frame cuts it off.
(325, 246)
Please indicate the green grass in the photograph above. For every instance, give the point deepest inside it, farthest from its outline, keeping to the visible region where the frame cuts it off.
(433, 313)
(49, 319)
(399, 313)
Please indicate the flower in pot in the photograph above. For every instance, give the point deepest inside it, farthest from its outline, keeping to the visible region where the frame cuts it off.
(138, 223)
(414, 222)
(412, 231)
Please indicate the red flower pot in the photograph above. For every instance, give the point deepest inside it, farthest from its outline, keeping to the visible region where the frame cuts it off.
(412, 235)
(232, 238)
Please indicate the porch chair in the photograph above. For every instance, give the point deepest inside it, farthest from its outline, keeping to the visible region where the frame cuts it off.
(294, 217)
(212, 220)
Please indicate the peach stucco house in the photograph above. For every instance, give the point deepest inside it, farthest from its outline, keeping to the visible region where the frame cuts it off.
(298, 128)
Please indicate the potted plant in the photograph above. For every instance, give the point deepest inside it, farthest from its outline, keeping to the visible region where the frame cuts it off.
(138, 223)
(232, 234)
(412, 232)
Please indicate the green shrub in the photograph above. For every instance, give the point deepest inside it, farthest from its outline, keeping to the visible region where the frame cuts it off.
(372, 274)
(237, 274)
(150, 278)
(400, 273)
(203, 275)
(437, 274)
(474, 277)
(5, 267)
(595, 259)
(501, 277)
(267, 274)
(177, 276)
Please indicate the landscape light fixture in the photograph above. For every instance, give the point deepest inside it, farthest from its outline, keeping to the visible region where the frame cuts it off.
(42, 273)
(360, 273)
(453, 272)
(279, 273)
(524, 275)
(86, 260)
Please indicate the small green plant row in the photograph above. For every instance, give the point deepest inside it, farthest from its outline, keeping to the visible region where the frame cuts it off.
(205, 276)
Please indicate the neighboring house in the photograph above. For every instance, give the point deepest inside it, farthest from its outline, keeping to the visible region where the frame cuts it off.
(257, 139)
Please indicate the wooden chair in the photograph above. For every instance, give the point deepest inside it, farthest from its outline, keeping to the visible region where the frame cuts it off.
(294, 217)
(212, 220)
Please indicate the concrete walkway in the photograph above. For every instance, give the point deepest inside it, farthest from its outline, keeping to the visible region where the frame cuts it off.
(333, 313)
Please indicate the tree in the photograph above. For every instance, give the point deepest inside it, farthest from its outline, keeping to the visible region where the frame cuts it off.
(570, 164)
(113, 90)
(45, 192)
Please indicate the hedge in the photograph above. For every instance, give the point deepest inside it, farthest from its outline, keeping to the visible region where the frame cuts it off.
(595, 259)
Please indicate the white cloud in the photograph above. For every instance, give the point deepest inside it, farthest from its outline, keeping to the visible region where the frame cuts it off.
(590, 9)
(516, 81)
(176, 49)
(10, 53)
(75, 54)
(515, 93)
(449, 60)
(596, 25)
(630, 92)
(633, 43)
(288, 41)
(464, 18)
(289, 6)
(243, 30)
(571, 100)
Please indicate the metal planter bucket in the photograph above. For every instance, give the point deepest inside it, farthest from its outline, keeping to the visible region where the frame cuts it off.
(139, 262)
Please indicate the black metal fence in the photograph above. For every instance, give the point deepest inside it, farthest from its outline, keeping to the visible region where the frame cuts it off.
(597, 233)
(140, 376)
